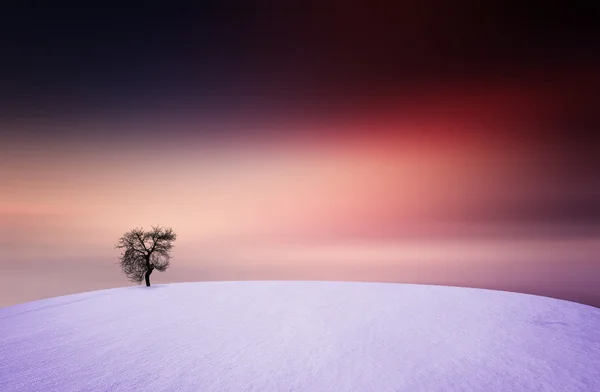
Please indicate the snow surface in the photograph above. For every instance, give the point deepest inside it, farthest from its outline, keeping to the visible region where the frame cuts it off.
(299, 336)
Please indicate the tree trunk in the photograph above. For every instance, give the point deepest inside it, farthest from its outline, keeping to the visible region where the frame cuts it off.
(147, 276)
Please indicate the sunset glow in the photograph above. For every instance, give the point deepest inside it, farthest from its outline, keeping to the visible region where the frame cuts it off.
(405, 143)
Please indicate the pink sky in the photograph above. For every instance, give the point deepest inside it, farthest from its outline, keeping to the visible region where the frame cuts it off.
(430, 200)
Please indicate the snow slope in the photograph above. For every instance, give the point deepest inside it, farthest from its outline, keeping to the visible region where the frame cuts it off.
(299, 336)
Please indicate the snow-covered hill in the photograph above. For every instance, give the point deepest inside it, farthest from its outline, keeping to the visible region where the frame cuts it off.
(299, 336)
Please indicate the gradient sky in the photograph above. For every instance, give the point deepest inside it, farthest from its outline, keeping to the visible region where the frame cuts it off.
(328, 141)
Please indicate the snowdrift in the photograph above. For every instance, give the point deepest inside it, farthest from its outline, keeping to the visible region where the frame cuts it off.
(299, 336)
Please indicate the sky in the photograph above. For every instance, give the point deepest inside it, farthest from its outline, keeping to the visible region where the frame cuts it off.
(424, 142)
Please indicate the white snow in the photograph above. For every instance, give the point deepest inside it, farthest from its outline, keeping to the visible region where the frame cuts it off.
(299, 336)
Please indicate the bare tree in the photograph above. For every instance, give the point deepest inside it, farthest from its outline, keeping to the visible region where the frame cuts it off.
(145, 251)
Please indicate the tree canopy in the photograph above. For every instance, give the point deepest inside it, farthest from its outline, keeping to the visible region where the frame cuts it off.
(145, 251)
